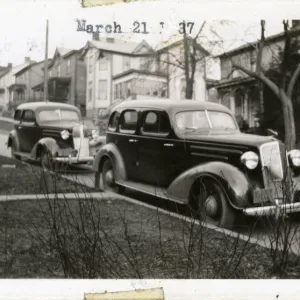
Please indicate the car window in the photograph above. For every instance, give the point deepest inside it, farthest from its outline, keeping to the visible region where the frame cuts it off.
(192, 120)
(17, 116)
(54, 115)
(113, 121)
(221, 120)
(156, 123)
(28, 116)
(129, 121)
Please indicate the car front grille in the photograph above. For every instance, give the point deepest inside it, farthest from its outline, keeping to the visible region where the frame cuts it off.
(275, 168)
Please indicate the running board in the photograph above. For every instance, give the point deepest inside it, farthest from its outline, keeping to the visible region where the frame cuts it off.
(148, 189)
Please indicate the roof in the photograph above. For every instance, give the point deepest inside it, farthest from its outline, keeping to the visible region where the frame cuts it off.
(118, 46)
(272, 38)
(63, 51)
(171, 104)
(29, 66)
(36, 105)
(142, 72)
(180, 41)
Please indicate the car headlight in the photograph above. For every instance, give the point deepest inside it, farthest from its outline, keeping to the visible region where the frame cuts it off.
(250, 160)
(95, 134)
(65, 134)
(295, 157)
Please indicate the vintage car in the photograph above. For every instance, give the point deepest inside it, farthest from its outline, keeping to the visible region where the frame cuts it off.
(193, 153)
(53, 133)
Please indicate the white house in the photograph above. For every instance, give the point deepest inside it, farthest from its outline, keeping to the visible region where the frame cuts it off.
(9, 89)
(119, 70)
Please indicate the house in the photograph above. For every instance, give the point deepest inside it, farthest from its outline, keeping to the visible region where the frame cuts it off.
(3, 90)
(241, 93)
(26, 79)
(119, 70)
(8, 87)
(171, 60)
(66, 79)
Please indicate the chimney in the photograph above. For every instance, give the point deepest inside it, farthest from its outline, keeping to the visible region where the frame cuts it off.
(27, 60)
(9, 65)
(295, 23)
(96, 36)
(110, 40)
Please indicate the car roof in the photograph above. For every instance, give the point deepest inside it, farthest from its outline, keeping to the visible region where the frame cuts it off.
(167, 104)
(37, 105)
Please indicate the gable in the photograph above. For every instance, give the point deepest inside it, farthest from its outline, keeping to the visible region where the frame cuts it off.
(143, 47)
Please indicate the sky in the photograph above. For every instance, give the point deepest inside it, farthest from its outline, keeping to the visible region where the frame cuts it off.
(23, 22)
(173, 289)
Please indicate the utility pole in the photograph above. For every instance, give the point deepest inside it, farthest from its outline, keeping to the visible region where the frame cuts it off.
(46, 65)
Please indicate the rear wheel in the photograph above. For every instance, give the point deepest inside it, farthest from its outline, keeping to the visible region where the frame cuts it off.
(108, 178)
(13, 150)
(208, 203)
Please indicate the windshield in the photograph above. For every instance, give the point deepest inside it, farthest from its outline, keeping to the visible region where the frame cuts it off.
(58, 115)
(195, 120)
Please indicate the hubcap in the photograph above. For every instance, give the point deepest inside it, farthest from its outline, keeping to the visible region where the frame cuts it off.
(109, 178)
(211, 206)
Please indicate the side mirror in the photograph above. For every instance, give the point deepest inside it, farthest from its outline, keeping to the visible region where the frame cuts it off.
(272, 132)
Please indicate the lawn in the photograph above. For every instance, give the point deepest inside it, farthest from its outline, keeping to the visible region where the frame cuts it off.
(109, 238)
(20, 178)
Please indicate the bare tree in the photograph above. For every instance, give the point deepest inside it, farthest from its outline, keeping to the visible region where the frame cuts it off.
(192, 56)
(283, 90)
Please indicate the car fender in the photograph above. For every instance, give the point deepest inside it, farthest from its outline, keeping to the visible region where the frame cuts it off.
(13, 137)
(112, 152)
(48, 143)
(234, 182)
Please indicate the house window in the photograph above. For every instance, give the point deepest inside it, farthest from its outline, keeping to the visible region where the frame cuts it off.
(68, 66)
(102, 89)
(58, 71)
(145, 63)
(91, 64)
(90, 91)
(126, 63)
(103, 64)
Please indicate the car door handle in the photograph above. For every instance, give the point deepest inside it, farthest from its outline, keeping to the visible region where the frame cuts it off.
(132, 141)
(168, 145)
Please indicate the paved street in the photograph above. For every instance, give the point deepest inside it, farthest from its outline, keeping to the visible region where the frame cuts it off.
(263, 233)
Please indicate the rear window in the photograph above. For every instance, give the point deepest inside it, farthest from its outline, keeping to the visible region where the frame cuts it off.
(156, 123)
(18, 114)
(113, 121)
(129, 121)
(28, 116)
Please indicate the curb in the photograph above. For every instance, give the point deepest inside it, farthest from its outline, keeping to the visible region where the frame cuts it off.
(66, 196)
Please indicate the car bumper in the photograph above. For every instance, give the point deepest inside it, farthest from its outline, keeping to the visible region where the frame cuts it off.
(74, 160)
(273, 210)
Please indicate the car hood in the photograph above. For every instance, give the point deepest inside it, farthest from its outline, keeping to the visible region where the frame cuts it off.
(227, 137)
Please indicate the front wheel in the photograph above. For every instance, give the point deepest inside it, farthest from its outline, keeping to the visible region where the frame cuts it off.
(208, 203)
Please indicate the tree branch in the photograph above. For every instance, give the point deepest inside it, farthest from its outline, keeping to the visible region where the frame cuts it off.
(200, 30)
(293, 81)
(287, 46)
(260, 77)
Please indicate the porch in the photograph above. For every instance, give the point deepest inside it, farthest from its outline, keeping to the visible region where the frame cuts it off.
(16, 94)
(58, 89)
(241, 96)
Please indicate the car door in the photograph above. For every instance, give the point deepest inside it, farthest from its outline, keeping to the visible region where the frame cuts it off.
(17, 127)
(29, 130)
(127, 141)
(157, 150)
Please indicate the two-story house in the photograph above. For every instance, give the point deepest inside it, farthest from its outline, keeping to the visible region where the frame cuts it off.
(26, 79)
(119, 70)
(3, 90)
(66, 79)
(9, 89)
(241, 93)
(171, 60)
